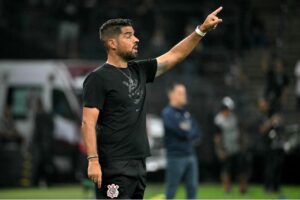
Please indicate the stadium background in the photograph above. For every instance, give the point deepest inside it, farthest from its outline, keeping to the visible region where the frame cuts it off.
(230, 61)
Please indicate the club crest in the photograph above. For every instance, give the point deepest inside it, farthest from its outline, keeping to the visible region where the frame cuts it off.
(112, 191)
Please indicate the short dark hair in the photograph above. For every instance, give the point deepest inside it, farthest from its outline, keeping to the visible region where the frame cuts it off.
(113, 27)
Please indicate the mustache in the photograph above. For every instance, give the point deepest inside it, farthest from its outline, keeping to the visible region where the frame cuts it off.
(136, 45)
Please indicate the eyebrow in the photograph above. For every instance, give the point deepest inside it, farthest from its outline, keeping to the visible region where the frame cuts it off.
(128, 33)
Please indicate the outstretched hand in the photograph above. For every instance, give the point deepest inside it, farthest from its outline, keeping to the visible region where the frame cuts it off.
(211, 21)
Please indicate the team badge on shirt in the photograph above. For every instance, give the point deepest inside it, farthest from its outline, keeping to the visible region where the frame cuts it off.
(112, 191)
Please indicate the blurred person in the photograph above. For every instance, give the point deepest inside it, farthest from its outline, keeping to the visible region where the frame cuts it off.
(228, 146)
(68, 31)
(270, 127)
(297, 88)
(235, 77)
(180, 132)
(8, 131)
(114, 107)
(276, 87)
(43, 146)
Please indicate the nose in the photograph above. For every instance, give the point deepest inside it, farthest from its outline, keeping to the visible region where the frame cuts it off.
(136, 39)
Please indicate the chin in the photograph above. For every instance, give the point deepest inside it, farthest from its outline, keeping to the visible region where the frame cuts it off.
(135, 55)
(130, 56)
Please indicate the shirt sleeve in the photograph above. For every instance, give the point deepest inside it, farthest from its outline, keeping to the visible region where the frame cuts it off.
(149, 66)
(94, 91)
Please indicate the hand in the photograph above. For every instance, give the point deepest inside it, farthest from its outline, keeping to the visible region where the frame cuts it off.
(222, 155)
(276, 120)
(94, 172)
(211, 21)
(186, 126)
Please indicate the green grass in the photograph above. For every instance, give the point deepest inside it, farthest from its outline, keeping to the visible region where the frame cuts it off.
(154, 191)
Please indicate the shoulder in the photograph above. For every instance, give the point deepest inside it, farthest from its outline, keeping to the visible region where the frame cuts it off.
(167, 110)
(218, 119)
(144, 62)
(98, 74)
(102, 70)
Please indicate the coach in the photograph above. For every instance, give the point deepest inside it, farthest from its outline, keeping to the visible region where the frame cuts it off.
(114, 113)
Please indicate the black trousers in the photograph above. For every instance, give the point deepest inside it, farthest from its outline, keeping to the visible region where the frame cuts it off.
(123, 180)
(273, 165)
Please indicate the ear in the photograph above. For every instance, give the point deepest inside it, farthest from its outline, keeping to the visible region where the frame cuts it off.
(112, 43)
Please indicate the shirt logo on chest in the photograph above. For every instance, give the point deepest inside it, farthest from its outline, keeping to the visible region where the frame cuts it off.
(135, 92)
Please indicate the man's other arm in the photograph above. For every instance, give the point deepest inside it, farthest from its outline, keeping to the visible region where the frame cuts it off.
(88, 129)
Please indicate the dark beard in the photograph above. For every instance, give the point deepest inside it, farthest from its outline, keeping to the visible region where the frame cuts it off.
(128, 56)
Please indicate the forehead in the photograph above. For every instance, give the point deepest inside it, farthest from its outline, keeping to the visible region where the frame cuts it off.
(179, 88)
(127, 29)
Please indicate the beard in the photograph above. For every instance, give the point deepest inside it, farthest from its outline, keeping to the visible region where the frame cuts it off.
(128, 56)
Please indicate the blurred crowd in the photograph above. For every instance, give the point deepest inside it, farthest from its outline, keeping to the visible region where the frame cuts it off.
(69, 28)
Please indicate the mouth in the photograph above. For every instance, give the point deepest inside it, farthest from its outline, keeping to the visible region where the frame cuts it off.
(135, 47)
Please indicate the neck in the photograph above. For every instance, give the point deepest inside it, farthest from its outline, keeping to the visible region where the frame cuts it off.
(116, 61)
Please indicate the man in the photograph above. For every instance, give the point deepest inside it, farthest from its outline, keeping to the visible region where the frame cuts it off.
(271, 128)
(297, 86)
(180, 131)
(227, 142)
(276, 91)
(114, 107)
(43, 145)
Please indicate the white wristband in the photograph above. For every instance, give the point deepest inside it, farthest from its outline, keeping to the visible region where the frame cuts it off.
(199, 32)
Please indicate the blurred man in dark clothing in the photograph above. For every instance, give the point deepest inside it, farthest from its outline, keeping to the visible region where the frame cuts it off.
(180, 131)
(68, 31)
(276, 87)
(270, 128)
(43, 146)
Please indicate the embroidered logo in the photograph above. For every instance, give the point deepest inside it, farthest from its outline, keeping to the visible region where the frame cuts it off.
(135, 92)
(112, 191)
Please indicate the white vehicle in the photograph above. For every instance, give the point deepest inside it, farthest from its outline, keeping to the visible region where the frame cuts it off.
(22, 83)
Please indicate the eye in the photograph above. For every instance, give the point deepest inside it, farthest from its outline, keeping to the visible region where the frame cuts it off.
(128, 35)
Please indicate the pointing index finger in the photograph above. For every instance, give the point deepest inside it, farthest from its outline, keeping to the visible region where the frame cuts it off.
(217, 11)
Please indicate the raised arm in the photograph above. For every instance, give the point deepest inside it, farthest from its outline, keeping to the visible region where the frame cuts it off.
(181, 50)
(88, 129)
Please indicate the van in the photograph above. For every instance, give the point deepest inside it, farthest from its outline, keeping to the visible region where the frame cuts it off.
(22, 83)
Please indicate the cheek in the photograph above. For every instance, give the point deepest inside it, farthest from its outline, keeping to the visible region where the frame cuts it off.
(124, 45)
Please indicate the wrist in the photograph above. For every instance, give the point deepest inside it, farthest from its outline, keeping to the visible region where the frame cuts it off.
(200, 31)
(92, 157)
(93, 160)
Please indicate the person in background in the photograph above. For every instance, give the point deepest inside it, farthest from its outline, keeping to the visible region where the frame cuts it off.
(270, 127)
(43, 146)
(68, 30)
(8, 131)
(276, 87)
(180, 132)
(297, 88)
(228, 147)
